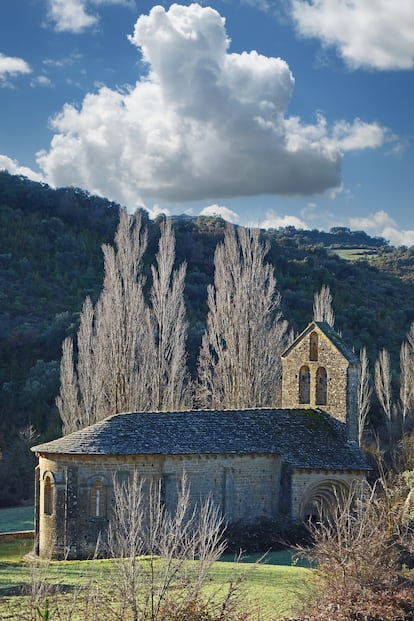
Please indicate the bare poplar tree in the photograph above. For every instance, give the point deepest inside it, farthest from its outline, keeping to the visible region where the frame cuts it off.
(407, 375)
(129, 356)
(410, 336)
(383, 385)
(239, 363)
(322, 306)
(67, 401)
(113, 338)
(170, 387)
(122, 322)
(364, 393)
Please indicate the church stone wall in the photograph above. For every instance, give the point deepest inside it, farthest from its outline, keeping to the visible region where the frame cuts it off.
(47, 523)
(352, 402)
(244, 486)
(342, 380)
(329, 358)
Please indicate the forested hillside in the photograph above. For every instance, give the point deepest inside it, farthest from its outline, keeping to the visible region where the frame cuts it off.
(51, 258)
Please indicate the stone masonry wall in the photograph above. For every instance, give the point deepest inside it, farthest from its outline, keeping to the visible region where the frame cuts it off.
(332, 361)
(245, 486)
(352, 400)
(47, 523)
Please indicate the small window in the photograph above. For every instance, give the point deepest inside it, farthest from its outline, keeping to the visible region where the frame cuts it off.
(304, 385)
(313, 347)
(48, 495)
(321, 387)
(97, 506)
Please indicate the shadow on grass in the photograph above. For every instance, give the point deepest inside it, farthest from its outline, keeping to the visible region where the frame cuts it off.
(18, 590)
(284, 558)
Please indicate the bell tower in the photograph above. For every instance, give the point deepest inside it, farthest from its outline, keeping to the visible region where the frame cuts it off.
(321, 372)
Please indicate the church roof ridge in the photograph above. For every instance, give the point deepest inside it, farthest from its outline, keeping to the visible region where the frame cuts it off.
(304, 438)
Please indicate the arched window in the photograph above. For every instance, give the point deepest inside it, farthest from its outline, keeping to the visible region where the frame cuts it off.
(304, 385)
(97, 499)
(48, 495)
(313, 347)
(321, 387)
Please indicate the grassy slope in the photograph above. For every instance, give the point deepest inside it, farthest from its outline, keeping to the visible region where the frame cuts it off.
(274, 587)
(353, 254)
(14, 519)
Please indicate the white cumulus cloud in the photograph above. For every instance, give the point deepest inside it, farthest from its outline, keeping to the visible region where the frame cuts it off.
(75, 15)
(381, 224)
(41, 80)
(70, 15)
(11, 66)
(219, 210)
(273, 220)
(377, 34)
(374, 222)
(14, 168)
(359, 135)
(398, 237)
(204, 123)
(156, 210)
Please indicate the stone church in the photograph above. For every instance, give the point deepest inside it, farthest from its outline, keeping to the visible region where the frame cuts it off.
(258, 463)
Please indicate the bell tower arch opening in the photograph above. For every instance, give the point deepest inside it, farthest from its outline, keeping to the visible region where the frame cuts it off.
(321, 387)
(304, 385)
(313, 347)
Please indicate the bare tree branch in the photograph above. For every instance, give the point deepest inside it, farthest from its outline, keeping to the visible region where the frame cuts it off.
(383, 385)
(407, 375)
(67, 401)
(322, 306)
(239, 362)
(364, 393)
(155, 548)
(130, 357)
(171, 386)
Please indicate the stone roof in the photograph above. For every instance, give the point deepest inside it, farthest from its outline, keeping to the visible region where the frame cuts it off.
(304, 438)
(332, 335)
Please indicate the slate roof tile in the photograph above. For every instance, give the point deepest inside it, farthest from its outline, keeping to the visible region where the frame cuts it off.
(303, 438)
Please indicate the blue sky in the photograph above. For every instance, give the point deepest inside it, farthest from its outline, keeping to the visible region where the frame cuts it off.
(269, 113)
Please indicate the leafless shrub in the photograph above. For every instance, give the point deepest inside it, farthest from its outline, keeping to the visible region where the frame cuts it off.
(46, 598)
(159, 566)
(162, 558)
(357, 553)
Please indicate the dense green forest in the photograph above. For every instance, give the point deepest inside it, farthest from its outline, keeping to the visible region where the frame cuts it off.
(51, 258)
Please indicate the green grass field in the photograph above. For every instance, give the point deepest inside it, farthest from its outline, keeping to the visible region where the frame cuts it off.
(353, 254)
(274, 588)
(14, 519)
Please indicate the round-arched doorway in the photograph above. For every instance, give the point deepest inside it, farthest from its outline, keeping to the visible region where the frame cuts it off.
(322, 497)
